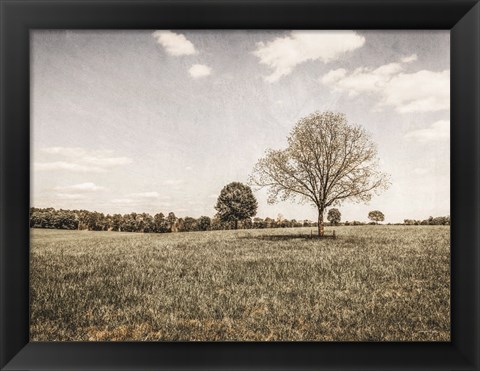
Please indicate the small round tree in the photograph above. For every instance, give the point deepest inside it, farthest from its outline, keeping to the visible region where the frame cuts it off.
(334, 216)
(376, 216)
(236, 202)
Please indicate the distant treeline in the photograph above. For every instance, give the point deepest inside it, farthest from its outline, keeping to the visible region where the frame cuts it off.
(439, 220)
(51, 218)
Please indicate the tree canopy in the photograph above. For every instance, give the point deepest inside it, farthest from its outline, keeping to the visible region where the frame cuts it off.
(376, 216)
(236, 203)
(334, 216)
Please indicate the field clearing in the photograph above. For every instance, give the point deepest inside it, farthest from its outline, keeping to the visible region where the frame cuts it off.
(372, 283)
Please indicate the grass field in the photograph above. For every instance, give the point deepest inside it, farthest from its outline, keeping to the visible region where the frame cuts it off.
(371, 283)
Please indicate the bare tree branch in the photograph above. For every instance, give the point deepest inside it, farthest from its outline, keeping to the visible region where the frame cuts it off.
(327, 161)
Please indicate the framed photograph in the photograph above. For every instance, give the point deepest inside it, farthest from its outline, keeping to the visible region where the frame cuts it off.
(239, 185)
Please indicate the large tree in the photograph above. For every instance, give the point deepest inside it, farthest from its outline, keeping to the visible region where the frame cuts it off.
(327, 161)
(236, 203)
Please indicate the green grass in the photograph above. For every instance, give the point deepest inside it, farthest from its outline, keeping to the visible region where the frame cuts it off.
(372, 283)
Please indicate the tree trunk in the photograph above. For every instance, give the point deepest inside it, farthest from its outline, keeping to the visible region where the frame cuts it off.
(320, 223)
(236, 224)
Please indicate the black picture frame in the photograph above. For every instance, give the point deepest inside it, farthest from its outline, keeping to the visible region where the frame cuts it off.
(18, 17)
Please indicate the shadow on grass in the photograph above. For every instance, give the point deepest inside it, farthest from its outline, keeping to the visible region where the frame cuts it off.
(290, 237)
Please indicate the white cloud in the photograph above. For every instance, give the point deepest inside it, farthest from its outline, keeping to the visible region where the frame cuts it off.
(62, 165)
(123, 201)
(422, 91)
(333, 76)
(82, 187)
(361, 80)
(106, 161)
(284, 53)
(77, 159)
(175, 44)
(199, 70)
(410, 58)
(439, 130)
(87, 156)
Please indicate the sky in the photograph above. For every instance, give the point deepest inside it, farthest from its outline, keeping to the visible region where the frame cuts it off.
(160, 120)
